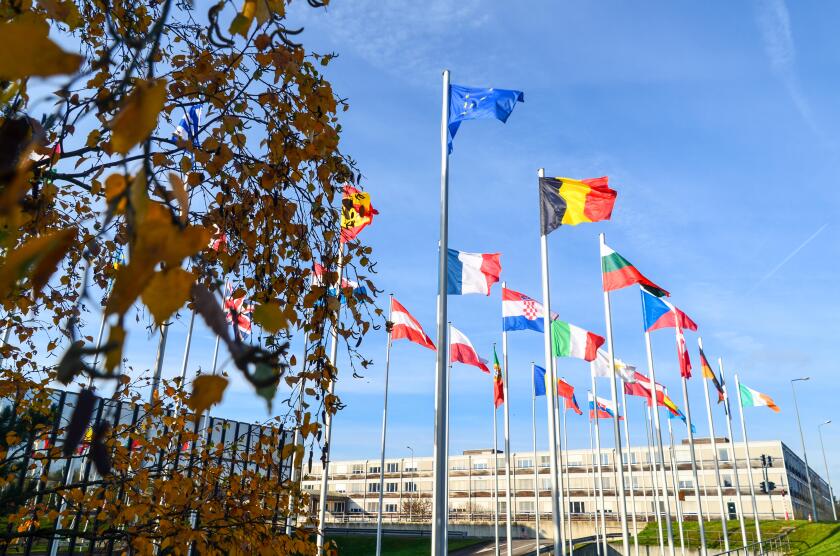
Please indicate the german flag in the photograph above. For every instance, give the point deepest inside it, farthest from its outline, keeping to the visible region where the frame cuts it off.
(572, 202)
(710, 374)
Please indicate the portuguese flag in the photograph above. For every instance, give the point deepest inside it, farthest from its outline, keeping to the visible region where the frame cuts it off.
(619, 273)
(567, 340)
(498, 385)
(572, 202)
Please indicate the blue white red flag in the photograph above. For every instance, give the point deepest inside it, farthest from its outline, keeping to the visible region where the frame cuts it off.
(658, 313)
(187, 128)
(605, 408)
(472, 272)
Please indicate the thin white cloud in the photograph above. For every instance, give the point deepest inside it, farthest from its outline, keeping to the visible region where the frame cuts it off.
(788, 257)
(774, 24)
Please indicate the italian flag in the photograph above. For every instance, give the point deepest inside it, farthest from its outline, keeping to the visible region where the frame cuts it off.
(754, 398)
(567, 340)
(619, 273)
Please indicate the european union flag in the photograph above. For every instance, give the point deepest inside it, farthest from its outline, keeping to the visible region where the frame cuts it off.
(471, 103)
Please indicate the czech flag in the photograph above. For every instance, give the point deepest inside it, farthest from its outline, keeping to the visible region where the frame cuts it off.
(658, 313)
(472, 272)
(461, 350)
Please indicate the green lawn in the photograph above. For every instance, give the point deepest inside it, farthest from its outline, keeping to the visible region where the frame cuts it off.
(807, 539)
(365, 545)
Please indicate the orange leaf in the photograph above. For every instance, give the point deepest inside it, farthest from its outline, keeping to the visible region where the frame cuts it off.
(167, 292)
(27, 50)
(138, 115)
(38, 257)
(207, 390)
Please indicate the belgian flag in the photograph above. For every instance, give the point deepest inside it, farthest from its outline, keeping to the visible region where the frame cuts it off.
(572, 202)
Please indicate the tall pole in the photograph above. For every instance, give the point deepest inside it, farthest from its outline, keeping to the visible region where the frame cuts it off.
(414, 485)
(295, 472)
(215, 355)
(187, 345)
(630, 471)
(827, 476)
(723, 519)
(164, 331)
(568, 487)
(562, 479)
(749, 460)
(439, 496)
(98, 343)
(594, 491)
(322, 501)
(536, 464)
(657, 433)
(622, 503)
(446, 475)
(559, 549)
(727, 409)
(654, 481)
(508, 509)
(495, 480)
(384, 429)
(804, 451)
(676, 480)
(600, 468)
(700, 524)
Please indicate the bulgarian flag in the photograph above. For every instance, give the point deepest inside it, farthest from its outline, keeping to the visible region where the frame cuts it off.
(754, 398)
(498, 385)
(619, 273)
(567, 340)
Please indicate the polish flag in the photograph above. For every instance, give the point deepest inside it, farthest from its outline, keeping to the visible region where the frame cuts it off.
(404, 326)
(461, 350)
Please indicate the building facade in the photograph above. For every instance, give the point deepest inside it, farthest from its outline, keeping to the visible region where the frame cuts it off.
(354, 485)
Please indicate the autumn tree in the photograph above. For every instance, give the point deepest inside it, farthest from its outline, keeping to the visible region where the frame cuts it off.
(150, 151)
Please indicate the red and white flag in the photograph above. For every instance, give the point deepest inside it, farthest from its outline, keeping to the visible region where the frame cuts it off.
(404, 326)
(682, 352)
(238, 307)
(461, 350)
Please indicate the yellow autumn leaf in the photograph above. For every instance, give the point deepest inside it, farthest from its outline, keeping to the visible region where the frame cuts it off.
(114, 188)
(271, 317)
(28, 51)
(38, 258)
(167, 292)
(207, 390)
(138, 115)
(114, 354)
(180, 193)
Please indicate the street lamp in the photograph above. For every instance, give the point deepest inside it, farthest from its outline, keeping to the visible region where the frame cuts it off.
(827, 476)
(804, 452)
(414, 484)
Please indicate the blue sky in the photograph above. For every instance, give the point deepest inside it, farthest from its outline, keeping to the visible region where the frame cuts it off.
(714, 122)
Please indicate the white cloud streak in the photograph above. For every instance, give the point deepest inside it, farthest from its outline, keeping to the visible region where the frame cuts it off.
(788, 258)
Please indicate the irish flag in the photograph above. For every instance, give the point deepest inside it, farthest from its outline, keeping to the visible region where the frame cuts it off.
(619, 273)
(567, 340)
(754, 398)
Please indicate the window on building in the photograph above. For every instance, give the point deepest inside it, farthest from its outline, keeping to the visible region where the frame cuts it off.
(525, 484)
(727, 480)
(410, 468)
(525, 463)
(577, 507)
(358, 468)
(480, 465)
(687, 484)
(391, 508)
(410, 486)
(373, 487)
(392, 467)
(632, 457)
(372, 507)
(545, 461)
(526, 506)
(545, 483)
(373, 469)
(723, 454)
(337, 508)
(392, 487)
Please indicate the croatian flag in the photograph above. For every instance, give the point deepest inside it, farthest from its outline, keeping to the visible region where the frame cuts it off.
(461, 350)
(520, 312)
(472, 272)
(605, 408)
(318, 272)
(405, 326)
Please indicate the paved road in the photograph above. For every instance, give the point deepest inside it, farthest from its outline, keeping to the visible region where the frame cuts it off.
(520, 548)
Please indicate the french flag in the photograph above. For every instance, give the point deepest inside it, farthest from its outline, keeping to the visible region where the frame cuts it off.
(461, 350)
(472, 272)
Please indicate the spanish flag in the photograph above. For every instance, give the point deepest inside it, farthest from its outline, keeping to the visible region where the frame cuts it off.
(571, 202)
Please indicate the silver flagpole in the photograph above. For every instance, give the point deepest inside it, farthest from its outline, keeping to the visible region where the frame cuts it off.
(600, 468)
(654, 481)
(559, 549)
(749, 461)
(164, 331)
(700, 524)
(676, 479)
(536, 464)
(657, 434)
(495, 477)
(187, 345)
(622, 505)
(98, 344)
(322, 501)
(509, 511)
(439, 496)
(384, 429)
(446, 475)
(594, 493)
(568, 487)
(727, 409)
(723, 519)
(630, 470)
(560, 466)
(215, 355)
(295, 472)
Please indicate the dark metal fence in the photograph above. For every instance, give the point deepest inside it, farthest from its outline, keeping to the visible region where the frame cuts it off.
(46, 479)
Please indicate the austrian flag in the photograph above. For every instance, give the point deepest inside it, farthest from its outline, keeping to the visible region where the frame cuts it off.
(472, 272)
(404, 326)
(461, 350)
